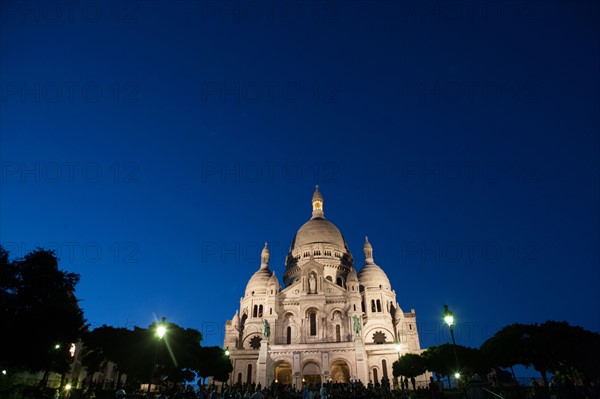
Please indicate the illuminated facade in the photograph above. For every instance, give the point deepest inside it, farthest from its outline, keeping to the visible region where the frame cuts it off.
(326, 323)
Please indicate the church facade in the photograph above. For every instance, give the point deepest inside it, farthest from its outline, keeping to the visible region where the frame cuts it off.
(326, 322)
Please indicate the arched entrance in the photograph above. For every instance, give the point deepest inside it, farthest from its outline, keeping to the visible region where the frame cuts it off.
(311, 374)
(283, 373)
(340, 372)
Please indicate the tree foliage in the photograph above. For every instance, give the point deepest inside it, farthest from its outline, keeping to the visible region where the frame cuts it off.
(548, 347)
(40, 308)
(409, 366)
(440, 359)
(142, 355)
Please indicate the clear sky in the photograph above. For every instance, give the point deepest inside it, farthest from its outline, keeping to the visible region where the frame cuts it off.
(157, 145)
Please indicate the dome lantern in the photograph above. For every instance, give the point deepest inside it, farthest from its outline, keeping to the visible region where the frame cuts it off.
(368, 251)
(264, 257)
(317, 204)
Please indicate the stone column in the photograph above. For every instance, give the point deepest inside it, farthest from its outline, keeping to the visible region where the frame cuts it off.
(362, 366)
(262, 363)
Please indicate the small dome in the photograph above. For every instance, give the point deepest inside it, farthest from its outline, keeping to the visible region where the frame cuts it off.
(373, 276)
(274, 281)
(352, 276)
(259, 281)
(398, 315)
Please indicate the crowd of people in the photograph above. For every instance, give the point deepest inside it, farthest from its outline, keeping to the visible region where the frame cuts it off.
(330, 390)
(474, 388)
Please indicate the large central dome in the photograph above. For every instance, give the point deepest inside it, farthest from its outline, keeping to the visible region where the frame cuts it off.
(318, 240)
(318, 230)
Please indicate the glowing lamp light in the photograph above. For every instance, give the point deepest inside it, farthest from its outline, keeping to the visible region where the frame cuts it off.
(457, 375)
(161, 330)
(448, 316)
(57, 346)
(398, 347)
(3, 372)
(227, 353)
(68, 387)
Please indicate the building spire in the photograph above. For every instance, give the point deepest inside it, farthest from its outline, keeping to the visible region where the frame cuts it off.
(264, 257)
(368, 251)
(317, 204)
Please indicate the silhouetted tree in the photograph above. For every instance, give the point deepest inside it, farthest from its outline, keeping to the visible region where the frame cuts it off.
(214, 362)
(548, 347)
(41, 315)
(142, 355)
(409, 366)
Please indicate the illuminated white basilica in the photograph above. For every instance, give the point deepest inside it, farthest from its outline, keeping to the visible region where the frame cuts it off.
(326, 323)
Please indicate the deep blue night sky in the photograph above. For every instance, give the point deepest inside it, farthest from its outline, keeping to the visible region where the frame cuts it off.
(157, 145)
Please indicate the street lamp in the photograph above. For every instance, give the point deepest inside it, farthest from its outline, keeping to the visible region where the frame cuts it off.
(398, 348)
(161, 331)
(227, 351)
(449, 319)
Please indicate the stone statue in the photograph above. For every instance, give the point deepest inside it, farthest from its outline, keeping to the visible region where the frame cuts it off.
(356, 326)
(312, 284)
(266, 330)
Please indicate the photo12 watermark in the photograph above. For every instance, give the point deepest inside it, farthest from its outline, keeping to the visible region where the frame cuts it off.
(268, 12)
(69, 172)
(468, 11)
(240, 252)
(269, 172)
(79, 252)
(469, 252)
(68, 92)
(69, 12)
(473, 92)
(269, 92)
(469, 172)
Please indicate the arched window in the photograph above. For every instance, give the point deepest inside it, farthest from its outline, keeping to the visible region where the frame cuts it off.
(255, 311)
(329, 278)
(378, 305)
(338, 333)
(239, 380)
(375, 376)
(354, 306)
(260, 311)
(288, 338)
(339, 281)
(249, 375)
(313, 323)
(384, 366)
(373, 308)
(362, 306)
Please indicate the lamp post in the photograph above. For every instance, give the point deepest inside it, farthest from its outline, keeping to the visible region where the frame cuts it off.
(449, 319)
(161, 331)
(228, 353)
(398, 348)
